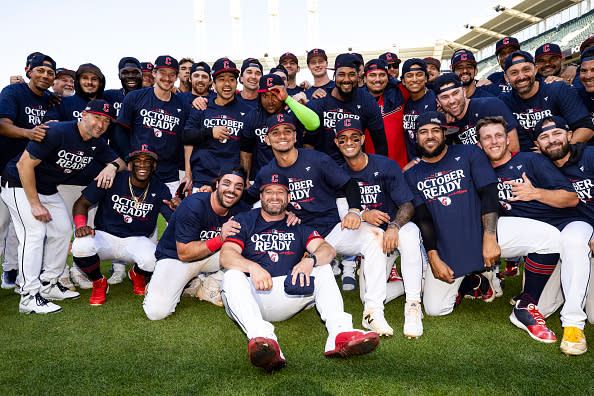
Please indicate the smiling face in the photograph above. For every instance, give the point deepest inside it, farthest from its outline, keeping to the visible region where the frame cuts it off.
(430, 140)
(274, 199)
(250, 78)
(131, 78)
(466, 71)
(414, 81)
(521, 76)
(549, 64)
(452, 101)
(587, 75)
(350, 143)
(291, 66)
(93, 125)
(346, 80)
(317, 66)
(376, 81)
(229, 189)
(165, 77)
(89, 83)
(142, 167)
(494, 141)
(200, 82)
(226, 85)
(554, 143)
(281, 138)
(64, 85)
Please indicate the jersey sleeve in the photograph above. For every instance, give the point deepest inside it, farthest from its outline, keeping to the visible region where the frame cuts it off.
(94, 194)
(165, 210)
(410, 178)
(40, 150)
(398, 188)
(335, 176)
(242, 236)
(105, 153)
(8, 103)
(187, 224)
(480, 167)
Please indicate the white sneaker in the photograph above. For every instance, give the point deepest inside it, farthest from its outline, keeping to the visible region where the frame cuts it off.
(117, 277)
(375, 321)
(57, 292)
(80, 279)
(35, 303)
(413, 319)
(210, 290)
(495, 282)
(66, 282)
(335, 267)
(192, 288)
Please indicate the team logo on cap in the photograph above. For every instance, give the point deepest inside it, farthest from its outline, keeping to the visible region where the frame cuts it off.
(506, 41)
(168, 61)
(269, 82)
(546, 48)
(106, 107)
(226, 64)
(347, 122)
(274, 178)
(280, 117)
(436, 120)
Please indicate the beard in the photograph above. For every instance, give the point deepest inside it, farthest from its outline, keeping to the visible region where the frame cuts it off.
(432, 154)
(274, 212)
(220, 197)
(347, 96)
(557, 152)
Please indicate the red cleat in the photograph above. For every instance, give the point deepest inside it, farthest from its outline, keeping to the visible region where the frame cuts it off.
(529, 319)
(394, 276)
(349, 343)
(265, 353)
(511, 268)
(100, 289)
(138, 282)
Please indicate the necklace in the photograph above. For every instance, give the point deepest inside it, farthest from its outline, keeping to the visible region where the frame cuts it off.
(138, 200)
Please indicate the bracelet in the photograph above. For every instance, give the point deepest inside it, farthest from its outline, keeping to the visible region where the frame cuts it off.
(80, 221)
(355, 212)
(393, 224)
(116, 165)
(214, 244)
(312, 256)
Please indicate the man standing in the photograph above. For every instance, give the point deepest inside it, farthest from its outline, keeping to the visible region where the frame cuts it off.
(148, 80)
(291, 64)
(433, 69)
(130, 74)
(317, 62)
(503, 48)
(201, 84)
(393, 63)
(251, 71)
(185, 64)
(464, 65)
(64, 82)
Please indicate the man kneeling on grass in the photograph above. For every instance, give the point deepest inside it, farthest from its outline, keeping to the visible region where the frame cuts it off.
(269, 279)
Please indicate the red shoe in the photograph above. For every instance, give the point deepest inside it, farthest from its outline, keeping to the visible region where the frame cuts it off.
(529, 319)
(511, 268)
(483, 290)
(100, 289)
(394, 276)
(265, 353)
(137, 281)
(349, 343)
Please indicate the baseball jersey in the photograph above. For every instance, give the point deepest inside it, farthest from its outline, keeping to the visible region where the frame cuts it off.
(158, 124)
(26, 110)
(212, 154)
(477, 109)
(252, 104)
(382, 185)
(363, 107)
(274, 245)
(498, 82)
(193, 220)
(315, 181)
(120, 215)
(70, 109)
(295, 91)
(449, 188)
(115, 97)
(542, 174)
(326, 87)
(579, 170)
(554, 99)
(412, 110)
(63, 154)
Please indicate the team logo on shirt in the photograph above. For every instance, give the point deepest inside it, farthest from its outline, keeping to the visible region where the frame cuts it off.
(530, 118)
(443, 184)
(129, 209)
(234, 126)
(583, 189)
(72, 160)
(331, 116)
(300, 189)
(273, 241)
(273, 256)
(159, 121)
(35, 114)
(369, 194)
(127, 219)
(445, 201)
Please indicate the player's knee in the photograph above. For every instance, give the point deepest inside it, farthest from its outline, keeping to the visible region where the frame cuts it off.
(83, 247)
(437, 308)
(232, 280)
(156, 310)
(409, 235)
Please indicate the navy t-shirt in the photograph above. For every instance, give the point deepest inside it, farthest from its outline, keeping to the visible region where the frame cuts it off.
(251, 103)
(363, 107)
(117, 212)
(70, 109)
(294, 91)
(116, 98)
(64, 155)
(499, 84)
(212, 154)
(274, 245)
(315, 181)
(412, 110)
(26, 110)
(326, 87)
(382, 185)
(158, 124)
(587, 99)
(579, 170)
(449, 189)
(542, 174)
(193, 220)
(484, 91)
(188, 97)
(477, 109)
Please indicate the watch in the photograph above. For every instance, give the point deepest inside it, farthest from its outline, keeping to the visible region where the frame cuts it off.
(312, 256)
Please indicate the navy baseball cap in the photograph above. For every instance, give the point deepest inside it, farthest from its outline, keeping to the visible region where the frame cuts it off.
(223, 65)
(40, 60)
(506, 42)
(31, 56)
(587, 54)
(346, 60)
(526, 57)
(288, 55)
(271, 178)
(268, 81)
(167, 61)
(414, 64)
(227, 170)
(587, 43)
(63, 70)
(462, 55)
(200, 66)
(347, 124)
(376, 64)
(146, 66)
(316, 52)
(279, 68)
(143, 149)
(359, 57)
(437, 118)
(90, 68)
(251, 62)
(558, 122)
(432, 61)
(278, 119)
(129, 61)
(445, 79)
(390, 57)
(546, 49)
(101, 107)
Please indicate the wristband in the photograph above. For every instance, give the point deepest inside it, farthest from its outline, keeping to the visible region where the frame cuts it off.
(393, 224)
(313, 257)
(357, 213)
(116, 165)
(214, 244)
(80, 221)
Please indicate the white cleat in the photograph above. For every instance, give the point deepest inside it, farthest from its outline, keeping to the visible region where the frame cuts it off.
(375, 321)
(413, 320)
(35, 303)
(80, 279)
(117, 277)
(55, 291)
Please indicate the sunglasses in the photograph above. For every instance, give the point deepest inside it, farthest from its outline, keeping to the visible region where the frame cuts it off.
(393, 66)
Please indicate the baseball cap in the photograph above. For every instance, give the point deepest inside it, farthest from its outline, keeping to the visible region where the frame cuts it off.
(278, 119)
(143, 149)
(63, 70)
(31, 56)
(288, 55)
(526, 57)
(437, 118)
(146, 66)
(506, 42)
(268, 81)
(358, 57)
(587, 54)
(390, 57)
(347, 124)
(167, 61)
(271, 178)
(445, 79)
(432, 61)
(346, 60)
(251, 62)
(558, 122)
(316, 52)
(90, 68)
(129, 61)
(101, 107)
(227, 170)
(200, 66)
(376, 64)
(546, 49)
(413, 64)
(279, 68)
(587, 43)
(224, 65)
(40, 59)
(462, 55)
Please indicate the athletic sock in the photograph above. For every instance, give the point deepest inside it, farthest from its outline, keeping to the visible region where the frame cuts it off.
(538, 268)
(147, 275)
(90, 266)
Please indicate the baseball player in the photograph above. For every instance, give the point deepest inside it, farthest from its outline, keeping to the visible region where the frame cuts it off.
(450, 180)
(201, 84)
(549, 61)
(503, 48)
(393, 63)
(249, 77)
(130, 74)
(586, 77)
(463, 64)
(317, 63)
(387, 204)
(291, 64)
(433, 69)
(185, 65)
(64, 82)
(126, 217)
(262, 258)
(315, 181)
(148, 80)
(37, 210)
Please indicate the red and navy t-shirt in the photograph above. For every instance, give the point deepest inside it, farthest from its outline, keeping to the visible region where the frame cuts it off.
(120, 215)
(542, 174)
(70, 109)
(157, 124)
(26, 110)
(193, 220)
(477, 109)
(579, 170)
(213, 154)
(449, 189)
(412, 110)
(382, 185)
(315, 181)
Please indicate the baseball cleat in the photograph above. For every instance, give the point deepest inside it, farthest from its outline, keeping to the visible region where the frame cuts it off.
(376, 322)
(100, 289)
(9, 279)
(66, 282)
(573, 341)
(511, 268)
(349, 283)
(413, 320)
(495, 282)
(192, 287)
(117, 277)
(137, 281)
(529, 319)
(394, 275)
(483, 289)
(55, 291)
(35, 303)
(210, 290)
(80, 279)
(356, 342)
(265, 353)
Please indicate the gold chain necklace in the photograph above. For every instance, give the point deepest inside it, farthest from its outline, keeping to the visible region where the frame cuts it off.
(138, 201)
